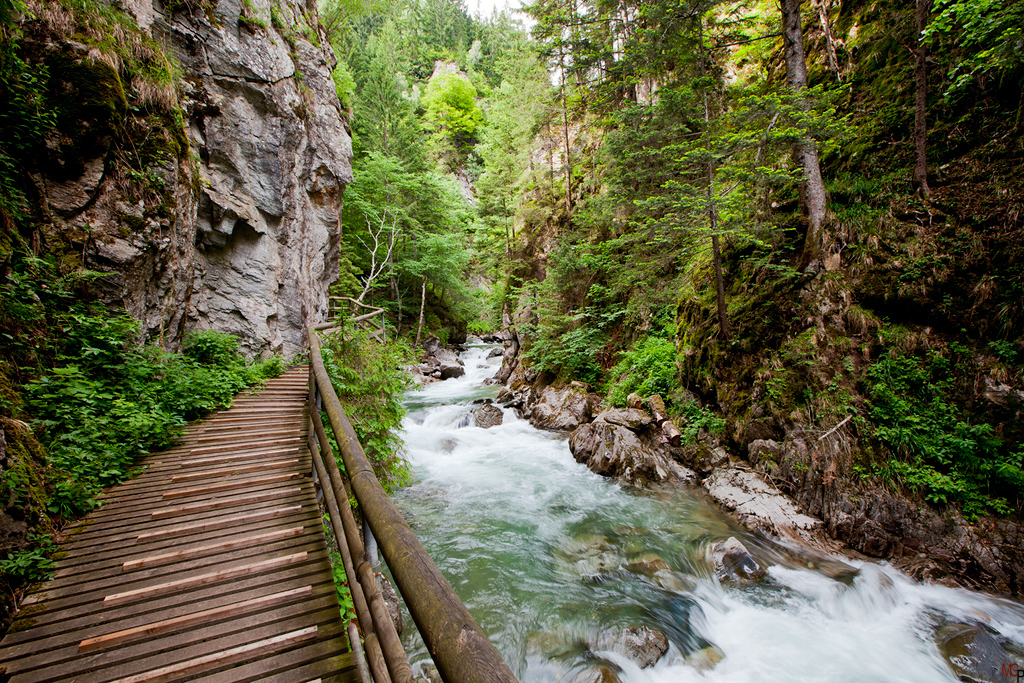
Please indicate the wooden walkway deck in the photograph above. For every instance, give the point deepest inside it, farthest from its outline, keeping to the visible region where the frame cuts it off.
(209, 566)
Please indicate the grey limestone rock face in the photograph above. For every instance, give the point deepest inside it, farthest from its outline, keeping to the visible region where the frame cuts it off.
(252, 244)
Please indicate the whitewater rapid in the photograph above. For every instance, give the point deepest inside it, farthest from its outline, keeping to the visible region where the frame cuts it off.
(538, 548)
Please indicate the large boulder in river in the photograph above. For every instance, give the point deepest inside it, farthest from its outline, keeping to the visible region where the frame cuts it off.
(487, 416)
(450, 364)
(643, 645)
(973, 653)
(612, 450)
(563, 408)
(733, 562)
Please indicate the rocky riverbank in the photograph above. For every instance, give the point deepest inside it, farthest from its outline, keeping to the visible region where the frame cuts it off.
(790, 485)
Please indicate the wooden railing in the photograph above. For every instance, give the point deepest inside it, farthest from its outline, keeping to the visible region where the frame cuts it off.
(372, 320)
(461, 651)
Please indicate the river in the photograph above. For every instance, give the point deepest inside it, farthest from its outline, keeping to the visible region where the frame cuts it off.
(545, 555)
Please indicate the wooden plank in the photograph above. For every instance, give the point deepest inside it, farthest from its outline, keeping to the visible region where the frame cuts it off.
(248, 435)
(88, 590)
(239, 445)
(137, 511)
(238, 456)
(217, 503)
(228, 485)
(203, 579)
(111, 556)
(47, 637)
(216, 523)
(234, 470)
(233, 610)
(178, 555)
(208, 662)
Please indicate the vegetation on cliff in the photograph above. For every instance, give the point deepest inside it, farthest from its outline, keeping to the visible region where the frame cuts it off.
(81, 395)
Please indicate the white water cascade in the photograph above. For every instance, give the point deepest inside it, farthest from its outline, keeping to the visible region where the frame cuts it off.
(539, 549)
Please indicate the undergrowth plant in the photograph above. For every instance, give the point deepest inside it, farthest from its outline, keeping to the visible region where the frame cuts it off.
(928, 443)
(369, 379)
(108, 399)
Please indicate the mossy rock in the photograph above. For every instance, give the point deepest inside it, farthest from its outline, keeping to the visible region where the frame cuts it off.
(88, 98)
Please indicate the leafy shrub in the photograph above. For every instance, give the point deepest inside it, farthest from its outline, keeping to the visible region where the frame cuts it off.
(107, 400)
(697, 418)
(370, 380)
(932, 446)
(650, 368)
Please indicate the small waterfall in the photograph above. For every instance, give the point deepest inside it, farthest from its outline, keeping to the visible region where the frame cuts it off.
(550, 558)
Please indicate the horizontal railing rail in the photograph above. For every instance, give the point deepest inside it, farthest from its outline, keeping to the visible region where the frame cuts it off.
(337, 303)
(459, 648)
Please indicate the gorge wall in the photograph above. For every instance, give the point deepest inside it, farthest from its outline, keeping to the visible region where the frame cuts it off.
(237, 223)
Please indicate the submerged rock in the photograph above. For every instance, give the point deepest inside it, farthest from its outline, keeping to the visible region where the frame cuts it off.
(972, 653)
(732, 561)
(589, 556)
(488, 416)
(597, 674)
(641, 644)
(705, 659)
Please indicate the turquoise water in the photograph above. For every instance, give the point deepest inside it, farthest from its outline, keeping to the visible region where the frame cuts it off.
(548, 556)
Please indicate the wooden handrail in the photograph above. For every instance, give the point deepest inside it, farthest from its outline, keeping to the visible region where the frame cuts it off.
(461, 651)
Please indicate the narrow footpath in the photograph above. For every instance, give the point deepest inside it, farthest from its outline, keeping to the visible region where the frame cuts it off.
(209, 566)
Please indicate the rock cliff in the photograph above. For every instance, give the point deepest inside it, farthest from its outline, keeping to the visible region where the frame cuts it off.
(239, 227)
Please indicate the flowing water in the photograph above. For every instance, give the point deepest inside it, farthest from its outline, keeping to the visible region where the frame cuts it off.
(549, 556)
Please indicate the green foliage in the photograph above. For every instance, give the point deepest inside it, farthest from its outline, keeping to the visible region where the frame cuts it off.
(370, 380)
(345, 604)
(697, 418)
(932, 446)
(990, 33)
(107, 400)
(450, 101)
(649, 368)
(30, 564)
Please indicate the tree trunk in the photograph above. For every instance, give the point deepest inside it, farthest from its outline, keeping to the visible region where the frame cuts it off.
(921, 102)
(814, 195)
(397, 294)
(423, 301)
(723, 316)
(568, 160)
(830, 41)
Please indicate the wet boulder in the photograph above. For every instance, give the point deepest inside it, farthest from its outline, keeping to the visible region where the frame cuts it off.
(733, 562)
(630, 418)
(487, 416)
(432, 345)
(761, 506)
(495, 353)
(449, 364)
(973, 653)
(563, 408)
(642, 645)
(615, 451)
(597, 674)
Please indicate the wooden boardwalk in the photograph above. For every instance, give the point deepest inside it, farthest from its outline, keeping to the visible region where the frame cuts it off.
(209, 566)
